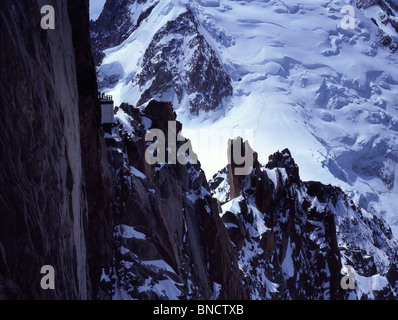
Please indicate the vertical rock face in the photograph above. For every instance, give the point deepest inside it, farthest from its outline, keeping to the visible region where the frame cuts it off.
(94, 161)
(48, 169)
(170, 242)
(41, 170)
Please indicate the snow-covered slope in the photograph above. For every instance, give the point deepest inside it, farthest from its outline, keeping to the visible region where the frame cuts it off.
(300, 80)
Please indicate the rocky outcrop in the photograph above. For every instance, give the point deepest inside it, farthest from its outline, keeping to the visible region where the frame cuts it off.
(237, 149)
(386, 19)
(52, 176)
(170, 242)
(184, 65)
(293, 238)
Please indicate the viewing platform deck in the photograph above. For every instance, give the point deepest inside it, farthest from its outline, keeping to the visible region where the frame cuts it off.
(105, 98)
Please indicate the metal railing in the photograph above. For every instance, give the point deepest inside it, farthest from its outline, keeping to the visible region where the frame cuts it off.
(104, 97)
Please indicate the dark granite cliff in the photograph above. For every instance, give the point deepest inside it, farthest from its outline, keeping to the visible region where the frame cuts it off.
(54, 195)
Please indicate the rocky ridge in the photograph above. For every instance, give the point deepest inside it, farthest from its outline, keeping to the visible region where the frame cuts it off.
(294, 238)
(170, 242)
(183, 66)
(286, 238)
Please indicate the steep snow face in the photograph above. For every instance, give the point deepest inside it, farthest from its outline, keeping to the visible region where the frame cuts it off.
(96, 8)
(299, 78)
(296, 240)
(119, 18)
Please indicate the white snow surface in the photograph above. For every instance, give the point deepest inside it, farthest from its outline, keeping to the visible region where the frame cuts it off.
(287, 264)
(300, 82)
(128, 232)
(137, 173)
